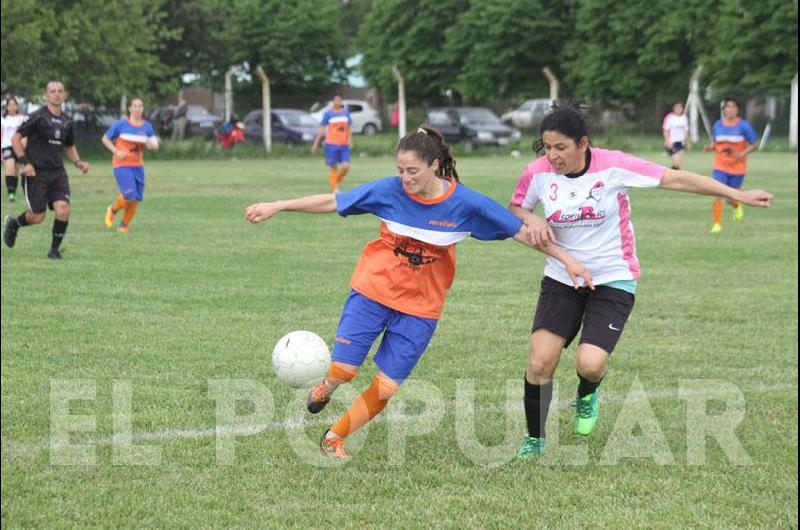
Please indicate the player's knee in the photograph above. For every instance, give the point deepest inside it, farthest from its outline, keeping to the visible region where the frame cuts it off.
(61, 211)
(385, 386)
(35, 218)
(540, 367)
(592, 369)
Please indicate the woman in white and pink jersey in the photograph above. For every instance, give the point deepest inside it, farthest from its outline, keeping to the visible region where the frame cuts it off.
(584, 193)
(676, 138)
(11, 121)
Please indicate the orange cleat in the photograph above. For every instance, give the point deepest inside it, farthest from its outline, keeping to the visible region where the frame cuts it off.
(333, 446)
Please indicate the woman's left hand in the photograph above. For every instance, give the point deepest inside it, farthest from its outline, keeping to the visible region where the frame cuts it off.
(760, 198)
(577, 271)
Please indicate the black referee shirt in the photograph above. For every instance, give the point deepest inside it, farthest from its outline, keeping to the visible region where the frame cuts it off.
(47, 135)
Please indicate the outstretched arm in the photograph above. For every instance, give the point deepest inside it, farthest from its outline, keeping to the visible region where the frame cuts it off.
(575, 269)
(679, 180)
(323, 203)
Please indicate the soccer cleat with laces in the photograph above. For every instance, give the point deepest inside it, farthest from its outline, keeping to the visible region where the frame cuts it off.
(319, 396)
(109, 218)
(587, 409)
(333, 446)
(716, 228)
(531, 447)
(738, 213)
(10, 231)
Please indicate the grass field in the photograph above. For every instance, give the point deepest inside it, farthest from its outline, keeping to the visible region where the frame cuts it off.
(193, 294)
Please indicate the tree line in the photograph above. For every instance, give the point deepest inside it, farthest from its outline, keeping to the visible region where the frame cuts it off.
(609, 50)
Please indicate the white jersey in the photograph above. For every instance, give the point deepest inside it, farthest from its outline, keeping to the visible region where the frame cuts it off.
(10, 124)
(678, 127)
(590, 214)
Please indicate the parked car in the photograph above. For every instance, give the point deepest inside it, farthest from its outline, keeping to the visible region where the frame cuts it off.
(528, 115)
(366, 119)
(472, 125)
(200, 122)
(288, 125)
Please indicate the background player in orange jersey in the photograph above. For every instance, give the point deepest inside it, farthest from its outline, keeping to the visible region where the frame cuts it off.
(127, 140)
(336, 127)
(734, 139)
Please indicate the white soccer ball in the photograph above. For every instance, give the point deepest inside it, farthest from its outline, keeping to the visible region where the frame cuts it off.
(301, 359)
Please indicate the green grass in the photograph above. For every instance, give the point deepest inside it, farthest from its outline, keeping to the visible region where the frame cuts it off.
(193, 293)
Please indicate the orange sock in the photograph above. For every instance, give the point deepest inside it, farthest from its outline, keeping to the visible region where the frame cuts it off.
(716, 211)
(340, 176)
(339, 374)
(119, 204)
(332, 178)
(366, 406)
(130, 211)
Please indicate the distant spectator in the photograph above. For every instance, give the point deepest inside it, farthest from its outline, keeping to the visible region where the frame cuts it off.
(396, 115)
(179, 125)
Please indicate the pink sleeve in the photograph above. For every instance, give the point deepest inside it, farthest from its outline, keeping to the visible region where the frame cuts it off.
(665, 124)
(522, 196)
(523, 184)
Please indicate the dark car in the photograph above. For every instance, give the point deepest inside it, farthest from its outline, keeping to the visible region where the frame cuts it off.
(289, 126)
(472, 125)
(200, 122)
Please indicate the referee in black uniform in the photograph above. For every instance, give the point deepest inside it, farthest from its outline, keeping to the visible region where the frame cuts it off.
(46, 183)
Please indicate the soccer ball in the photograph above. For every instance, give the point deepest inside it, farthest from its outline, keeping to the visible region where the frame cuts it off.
(301, 359)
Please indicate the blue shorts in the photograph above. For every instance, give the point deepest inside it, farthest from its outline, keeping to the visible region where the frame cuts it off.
(131, 182)
(734, 181)
(336, 154)
(405, 337)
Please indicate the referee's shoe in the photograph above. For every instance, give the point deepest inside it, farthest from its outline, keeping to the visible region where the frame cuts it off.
(10, 231)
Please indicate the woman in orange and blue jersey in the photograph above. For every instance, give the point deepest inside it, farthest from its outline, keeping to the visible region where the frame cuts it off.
(127, 140)
(734, 139)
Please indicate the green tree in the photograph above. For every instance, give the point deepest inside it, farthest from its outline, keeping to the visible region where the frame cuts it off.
(754, 45)
(502, 46)
(300, 44)
(100, 50)
(411, 35)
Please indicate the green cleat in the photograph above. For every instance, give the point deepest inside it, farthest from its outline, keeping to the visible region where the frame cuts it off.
(531, 447)
(738, 213)
(587, 409)
(716, 228)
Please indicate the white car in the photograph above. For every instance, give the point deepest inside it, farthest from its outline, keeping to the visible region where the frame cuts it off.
(366, 119)
(530, 114)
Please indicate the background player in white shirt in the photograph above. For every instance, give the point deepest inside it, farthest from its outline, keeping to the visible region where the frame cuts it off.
(584, 194)
(11, 121)
(676, 134)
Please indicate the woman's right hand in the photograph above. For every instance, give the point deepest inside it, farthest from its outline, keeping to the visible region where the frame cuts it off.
(261, 211)
(120, 154)
(538, 232)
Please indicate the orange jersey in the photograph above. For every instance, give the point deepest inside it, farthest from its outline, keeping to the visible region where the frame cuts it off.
(729, 140)
(411, 267)
(130, 137)
(337, 127)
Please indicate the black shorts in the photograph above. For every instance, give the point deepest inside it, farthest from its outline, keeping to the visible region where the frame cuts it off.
(8, 153)
(603, 312)
(677, 147)
(47, 187)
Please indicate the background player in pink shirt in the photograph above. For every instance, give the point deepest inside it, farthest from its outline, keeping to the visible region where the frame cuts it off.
(584, 193)
(676, 134)
(402, 279)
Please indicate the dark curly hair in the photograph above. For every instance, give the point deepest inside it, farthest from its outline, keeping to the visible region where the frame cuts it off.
(568, 119)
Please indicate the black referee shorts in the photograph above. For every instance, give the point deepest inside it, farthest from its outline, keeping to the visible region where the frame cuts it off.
(603, 312)
(47, 187)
